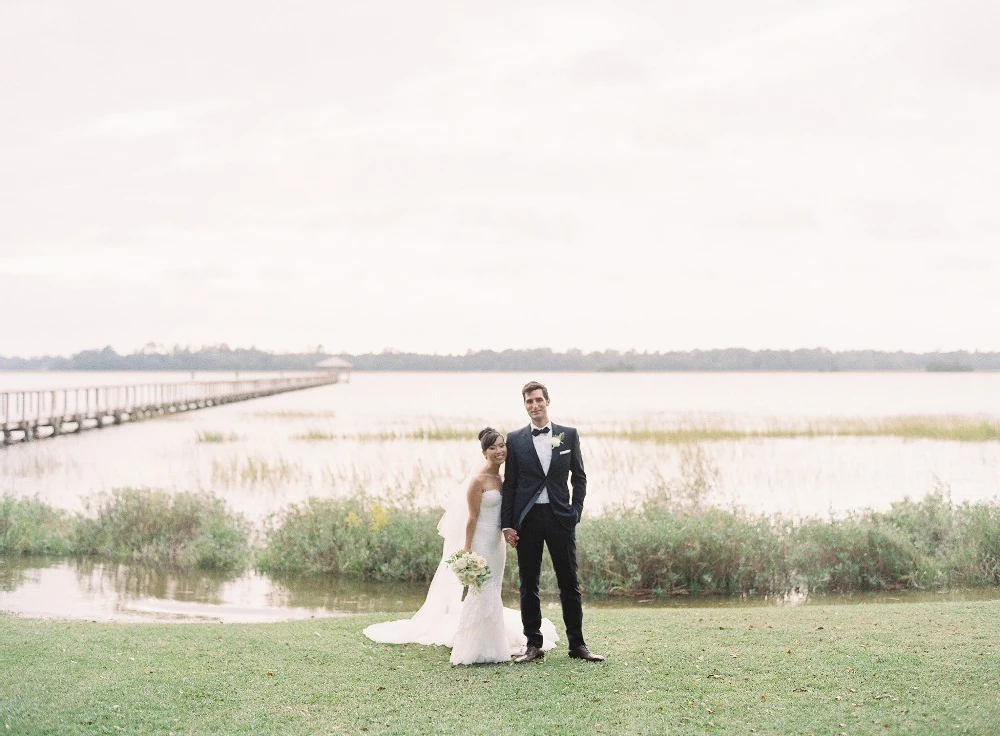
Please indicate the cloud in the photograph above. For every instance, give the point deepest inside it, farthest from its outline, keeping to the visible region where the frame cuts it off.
(769, 174)
(135, 125)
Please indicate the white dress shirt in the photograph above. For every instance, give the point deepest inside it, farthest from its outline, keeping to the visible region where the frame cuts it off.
(543, 446)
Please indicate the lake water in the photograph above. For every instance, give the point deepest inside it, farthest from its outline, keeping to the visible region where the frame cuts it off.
(264, 464)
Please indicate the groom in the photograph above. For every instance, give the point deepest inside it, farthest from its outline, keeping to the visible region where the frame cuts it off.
(538, 509)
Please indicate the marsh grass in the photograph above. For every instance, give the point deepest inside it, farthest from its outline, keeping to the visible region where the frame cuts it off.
(676, 545)
(945, 428)
(672, 545)
(659, 553)
(931, 543)
(218, 437)
(316, 435)
(183, 530)
(432, 433)
(256, 470)
(362, 538)
(30, 527)
(33, 465)
(294, 414)
(954, 428)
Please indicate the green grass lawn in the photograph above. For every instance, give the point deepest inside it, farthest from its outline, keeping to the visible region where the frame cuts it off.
(921, 668)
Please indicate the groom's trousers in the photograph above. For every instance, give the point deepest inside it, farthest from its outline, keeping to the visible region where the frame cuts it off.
(539, 528)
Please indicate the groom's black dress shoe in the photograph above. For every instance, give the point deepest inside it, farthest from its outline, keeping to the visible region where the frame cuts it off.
(581, 652)
(530, 655)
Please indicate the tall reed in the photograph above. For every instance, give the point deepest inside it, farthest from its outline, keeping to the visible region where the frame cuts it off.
(212, 437)
(674, 545)
(160, 528)
(664, 553)
(357, 537)
(30, 527)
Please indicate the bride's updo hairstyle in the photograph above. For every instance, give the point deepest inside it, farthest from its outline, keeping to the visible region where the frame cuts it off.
(487, 437)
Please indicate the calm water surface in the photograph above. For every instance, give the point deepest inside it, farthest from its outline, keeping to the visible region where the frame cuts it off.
(264, 465)
(99, 591)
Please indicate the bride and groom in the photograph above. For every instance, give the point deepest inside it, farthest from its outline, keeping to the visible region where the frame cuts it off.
(531, 507)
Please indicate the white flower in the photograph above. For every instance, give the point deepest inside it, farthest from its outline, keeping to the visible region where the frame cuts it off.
(470, 569)
(557, 439)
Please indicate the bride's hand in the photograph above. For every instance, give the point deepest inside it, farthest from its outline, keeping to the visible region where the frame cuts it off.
(511, 536)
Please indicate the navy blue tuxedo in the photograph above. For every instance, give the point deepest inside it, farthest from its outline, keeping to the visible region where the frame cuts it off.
(524, 478)
(551, 524)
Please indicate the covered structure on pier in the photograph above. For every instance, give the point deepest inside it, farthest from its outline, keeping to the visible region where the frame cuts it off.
(338, 368)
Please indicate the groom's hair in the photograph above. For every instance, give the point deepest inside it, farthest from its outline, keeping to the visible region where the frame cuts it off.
(534, 386)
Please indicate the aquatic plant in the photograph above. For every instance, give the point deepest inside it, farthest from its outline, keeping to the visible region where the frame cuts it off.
(294, 414)
(256, 470)
(316, 435)
(360, 537)
(953, 428)
(659, 552)
(31, 527)
(160, 528)
(670, 546)
(218, 437)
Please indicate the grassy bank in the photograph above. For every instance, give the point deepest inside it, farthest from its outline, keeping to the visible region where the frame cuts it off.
(925, 668)
(671, 546)
(183, 530)
(665, 550)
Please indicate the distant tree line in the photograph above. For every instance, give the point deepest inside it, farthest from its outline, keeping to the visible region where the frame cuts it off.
(224, 358)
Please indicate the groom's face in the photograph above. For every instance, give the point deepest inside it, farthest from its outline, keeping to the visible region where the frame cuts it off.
(537, 407)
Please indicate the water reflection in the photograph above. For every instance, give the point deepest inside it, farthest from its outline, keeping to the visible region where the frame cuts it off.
(105, 591)
(102, 591)
(98, 579)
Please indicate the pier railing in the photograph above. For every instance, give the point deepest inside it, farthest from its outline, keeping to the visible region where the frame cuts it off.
(28, 415)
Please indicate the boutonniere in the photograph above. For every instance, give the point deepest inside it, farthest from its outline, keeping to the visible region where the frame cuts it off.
(557, 439)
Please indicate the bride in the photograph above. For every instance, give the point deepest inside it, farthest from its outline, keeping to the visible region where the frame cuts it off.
(479, 629)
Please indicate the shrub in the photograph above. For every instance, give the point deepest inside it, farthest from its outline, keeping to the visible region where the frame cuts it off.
(707, 552)
(183, 530)
(857, 554)
(355, 538)
(975, 557)
(31, 527)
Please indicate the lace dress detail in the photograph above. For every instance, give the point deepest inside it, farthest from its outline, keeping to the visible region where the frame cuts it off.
(479, 629)
(487, 632)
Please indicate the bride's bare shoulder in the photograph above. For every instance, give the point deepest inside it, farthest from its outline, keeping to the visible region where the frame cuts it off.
(479, 481)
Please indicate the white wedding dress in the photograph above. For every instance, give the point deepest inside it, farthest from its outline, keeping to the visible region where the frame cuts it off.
(478, 629)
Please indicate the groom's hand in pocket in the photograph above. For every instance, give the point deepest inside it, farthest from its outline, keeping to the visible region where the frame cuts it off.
(511, 536)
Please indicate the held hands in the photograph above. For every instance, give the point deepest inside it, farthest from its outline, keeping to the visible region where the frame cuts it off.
(511, 536)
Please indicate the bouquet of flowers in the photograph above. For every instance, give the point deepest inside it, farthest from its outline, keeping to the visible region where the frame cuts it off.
(470, 569)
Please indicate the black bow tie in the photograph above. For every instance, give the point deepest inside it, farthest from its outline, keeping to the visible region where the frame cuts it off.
(536, 432)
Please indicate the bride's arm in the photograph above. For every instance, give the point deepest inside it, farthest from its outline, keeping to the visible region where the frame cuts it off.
(475, 499)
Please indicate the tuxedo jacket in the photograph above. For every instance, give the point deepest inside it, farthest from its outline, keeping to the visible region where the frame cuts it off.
(523, 477)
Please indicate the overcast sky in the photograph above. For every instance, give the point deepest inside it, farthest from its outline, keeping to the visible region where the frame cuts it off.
(447, 175)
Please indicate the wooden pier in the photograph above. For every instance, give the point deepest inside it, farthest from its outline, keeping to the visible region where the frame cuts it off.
(39, 414)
